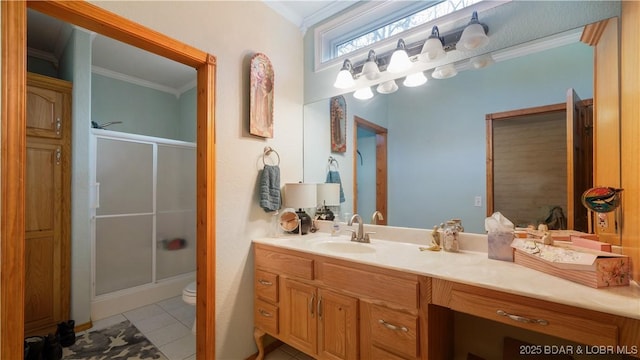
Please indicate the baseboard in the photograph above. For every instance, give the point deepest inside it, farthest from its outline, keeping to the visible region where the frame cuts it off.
(83, 327)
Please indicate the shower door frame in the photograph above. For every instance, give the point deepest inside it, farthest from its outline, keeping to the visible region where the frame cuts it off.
(13, 156)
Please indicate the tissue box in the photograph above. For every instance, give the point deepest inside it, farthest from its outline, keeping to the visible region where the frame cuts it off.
(500, 246)
(593, 268)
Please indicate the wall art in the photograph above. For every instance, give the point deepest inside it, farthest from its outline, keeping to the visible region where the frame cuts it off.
(261, 97)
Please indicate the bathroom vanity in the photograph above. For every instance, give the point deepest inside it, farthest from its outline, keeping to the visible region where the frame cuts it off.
(335, 299)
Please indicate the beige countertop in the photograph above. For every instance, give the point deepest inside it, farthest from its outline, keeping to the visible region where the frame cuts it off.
(473, 268)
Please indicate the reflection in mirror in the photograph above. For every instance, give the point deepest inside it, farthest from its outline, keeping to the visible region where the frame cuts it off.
(531, 179)
(436, 134)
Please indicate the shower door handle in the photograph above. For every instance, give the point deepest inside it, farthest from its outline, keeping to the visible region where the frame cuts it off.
(97, 196)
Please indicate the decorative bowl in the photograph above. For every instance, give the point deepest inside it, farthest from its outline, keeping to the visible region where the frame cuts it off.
(601, 199)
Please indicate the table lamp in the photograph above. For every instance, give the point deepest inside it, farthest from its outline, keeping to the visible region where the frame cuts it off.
(300, 196)
(328, 195)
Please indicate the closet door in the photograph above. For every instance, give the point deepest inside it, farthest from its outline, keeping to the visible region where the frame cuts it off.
(124, 217)
(46, 298)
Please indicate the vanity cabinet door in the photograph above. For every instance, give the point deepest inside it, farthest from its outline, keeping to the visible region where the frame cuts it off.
(338, 326)
(299, 315)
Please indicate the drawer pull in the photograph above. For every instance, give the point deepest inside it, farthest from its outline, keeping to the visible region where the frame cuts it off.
(265, 282)
(265, 313)
(522, 318)
(393, 327)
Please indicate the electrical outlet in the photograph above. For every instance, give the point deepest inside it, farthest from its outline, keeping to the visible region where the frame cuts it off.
(477, 201)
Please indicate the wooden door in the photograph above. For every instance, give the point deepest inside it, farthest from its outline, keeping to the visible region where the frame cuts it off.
(47, 209)
(579, 160)
(338, 326)
(46, 299)
(299, 311)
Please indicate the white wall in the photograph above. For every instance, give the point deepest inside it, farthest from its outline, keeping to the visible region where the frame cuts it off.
(233, 32)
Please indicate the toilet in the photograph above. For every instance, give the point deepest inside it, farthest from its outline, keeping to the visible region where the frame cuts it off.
(189, 297)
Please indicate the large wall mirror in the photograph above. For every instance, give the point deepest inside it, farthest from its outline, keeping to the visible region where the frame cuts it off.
(436, 133)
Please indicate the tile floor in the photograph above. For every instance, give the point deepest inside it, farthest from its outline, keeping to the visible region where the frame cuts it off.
(286, 352)
(167, 324)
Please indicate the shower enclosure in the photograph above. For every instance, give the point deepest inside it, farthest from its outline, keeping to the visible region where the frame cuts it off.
(144, 222)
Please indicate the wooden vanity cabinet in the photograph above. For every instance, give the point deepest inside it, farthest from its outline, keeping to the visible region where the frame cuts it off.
(337, 309)
(293, 307)
(563, 321)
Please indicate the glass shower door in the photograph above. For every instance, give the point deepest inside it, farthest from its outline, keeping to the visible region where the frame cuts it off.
(124, 217)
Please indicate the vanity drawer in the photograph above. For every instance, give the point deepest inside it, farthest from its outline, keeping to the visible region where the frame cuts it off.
(541, 318)
(374, 285)
(393, 330)
(284, 263)
(266, 285)
(265, 316)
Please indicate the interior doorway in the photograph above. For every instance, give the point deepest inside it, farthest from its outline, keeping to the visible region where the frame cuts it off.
(369, 169)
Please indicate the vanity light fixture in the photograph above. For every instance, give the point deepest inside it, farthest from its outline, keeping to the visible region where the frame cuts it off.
(433, 48)
(364, 93)
(474, 35)
(414, 80)
(370, 68)
(387, 87)
(399, 59)
(344, 80)
(444, 72)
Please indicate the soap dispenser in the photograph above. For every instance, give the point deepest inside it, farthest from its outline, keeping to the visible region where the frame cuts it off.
(335, 226)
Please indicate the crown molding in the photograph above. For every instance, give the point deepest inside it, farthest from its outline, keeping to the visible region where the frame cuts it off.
(141, 82)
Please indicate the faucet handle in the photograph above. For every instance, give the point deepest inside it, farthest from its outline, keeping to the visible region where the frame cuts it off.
(353, 234)
(366, 236)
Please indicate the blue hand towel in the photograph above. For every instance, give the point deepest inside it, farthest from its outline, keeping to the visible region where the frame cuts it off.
(270, 188)
(334, 177)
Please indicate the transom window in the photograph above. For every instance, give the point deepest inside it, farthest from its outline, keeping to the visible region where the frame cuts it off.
(400, 24)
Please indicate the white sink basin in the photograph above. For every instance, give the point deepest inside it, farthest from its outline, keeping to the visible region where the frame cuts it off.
(345, 247)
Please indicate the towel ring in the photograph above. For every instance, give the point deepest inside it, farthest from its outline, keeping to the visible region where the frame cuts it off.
(267, 151)
(334, 162)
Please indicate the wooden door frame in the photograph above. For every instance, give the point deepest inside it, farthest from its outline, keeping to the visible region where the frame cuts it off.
(381, 166)
(13, 157)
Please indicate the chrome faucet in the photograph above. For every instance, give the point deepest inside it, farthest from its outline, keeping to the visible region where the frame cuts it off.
(377, 215)
(358, 236)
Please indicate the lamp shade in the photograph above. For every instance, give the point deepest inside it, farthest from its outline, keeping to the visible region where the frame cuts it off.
(344, 80)
(432, 49)
(328, 194)
(364, 93)
(473, 36)
(370, 68)
(399, 59)
(481, 61)
(387, 87)
(414, 80)
(300, 195)
(444, 72)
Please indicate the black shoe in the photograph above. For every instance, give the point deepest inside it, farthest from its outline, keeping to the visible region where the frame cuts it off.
(52, 348)
(66, 333)
(33, 347)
